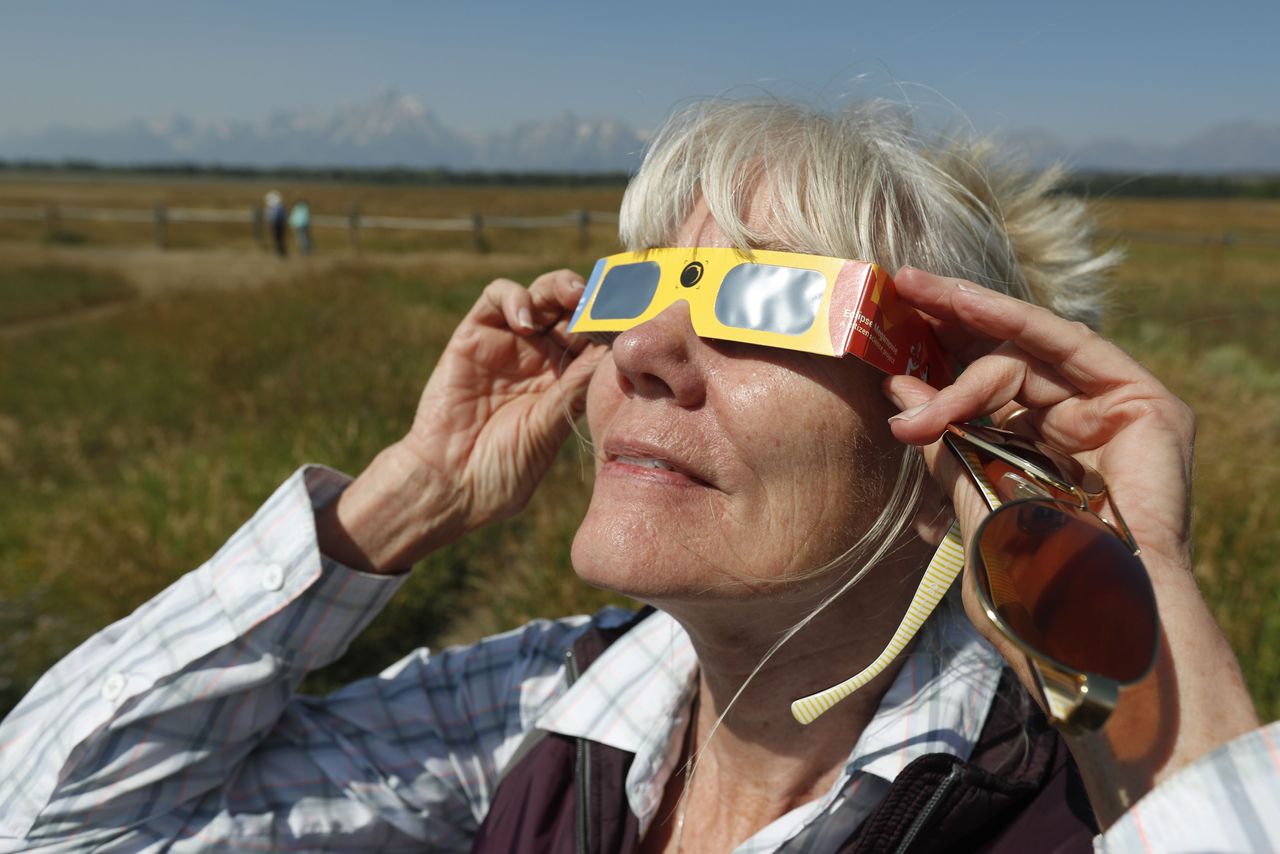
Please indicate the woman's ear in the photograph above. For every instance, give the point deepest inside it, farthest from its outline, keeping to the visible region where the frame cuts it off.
(934, 515)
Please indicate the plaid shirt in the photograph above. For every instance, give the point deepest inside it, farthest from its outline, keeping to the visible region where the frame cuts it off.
(178, 728)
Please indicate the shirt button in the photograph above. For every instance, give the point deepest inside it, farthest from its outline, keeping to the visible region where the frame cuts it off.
(114, 686)
(273, 577)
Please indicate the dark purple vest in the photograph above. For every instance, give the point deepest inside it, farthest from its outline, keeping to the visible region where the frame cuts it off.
(1019, 791)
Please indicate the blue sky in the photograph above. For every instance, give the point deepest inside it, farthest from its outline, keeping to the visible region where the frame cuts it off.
(1143, 71)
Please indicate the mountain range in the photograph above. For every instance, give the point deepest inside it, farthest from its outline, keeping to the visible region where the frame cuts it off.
(390, 129)
(395, 129)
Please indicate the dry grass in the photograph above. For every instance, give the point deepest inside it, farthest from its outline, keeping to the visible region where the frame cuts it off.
(1193, 216)
(133, 443)
(1208, 324)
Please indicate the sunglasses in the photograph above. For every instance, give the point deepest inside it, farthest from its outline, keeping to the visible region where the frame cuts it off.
(788, 300)
(1055, 578)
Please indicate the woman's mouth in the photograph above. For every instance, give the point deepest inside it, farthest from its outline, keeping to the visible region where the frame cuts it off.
(650, 464)
(644, 462)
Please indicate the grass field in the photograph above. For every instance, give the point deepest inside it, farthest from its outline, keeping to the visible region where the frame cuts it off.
(149, 401)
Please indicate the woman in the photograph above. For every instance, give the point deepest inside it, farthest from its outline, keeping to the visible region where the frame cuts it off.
(736, 487)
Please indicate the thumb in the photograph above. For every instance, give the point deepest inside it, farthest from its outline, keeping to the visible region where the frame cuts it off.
(566, 399)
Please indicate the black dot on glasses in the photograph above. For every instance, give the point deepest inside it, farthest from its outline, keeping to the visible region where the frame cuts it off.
(691, 274)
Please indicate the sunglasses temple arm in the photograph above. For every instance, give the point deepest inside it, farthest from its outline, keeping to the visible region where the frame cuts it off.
(968, 459)
(946, 564)
(1122, 528)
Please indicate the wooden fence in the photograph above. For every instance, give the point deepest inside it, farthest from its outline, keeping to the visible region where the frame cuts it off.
(161, 218)
(355, 221)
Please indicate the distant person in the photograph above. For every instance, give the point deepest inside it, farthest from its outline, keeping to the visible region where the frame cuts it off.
(274, 204)
(300, 222)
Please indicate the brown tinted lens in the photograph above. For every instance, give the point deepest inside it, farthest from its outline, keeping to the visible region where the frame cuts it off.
(1069, 587)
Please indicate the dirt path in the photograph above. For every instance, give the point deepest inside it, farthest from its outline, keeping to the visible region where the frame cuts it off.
(154, 272)
(21, 328)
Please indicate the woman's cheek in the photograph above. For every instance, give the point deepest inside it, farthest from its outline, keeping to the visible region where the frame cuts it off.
(602, 395)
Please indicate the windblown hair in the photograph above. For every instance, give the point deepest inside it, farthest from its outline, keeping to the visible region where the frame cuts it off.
(862, 184)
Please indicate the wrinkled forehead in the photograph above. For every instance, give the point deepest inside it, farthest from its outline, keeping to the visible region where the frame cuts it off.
(700, 227)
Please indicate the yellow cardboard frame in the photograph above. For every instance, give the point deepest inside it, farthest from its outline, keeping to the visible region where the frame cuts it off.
(860, 313)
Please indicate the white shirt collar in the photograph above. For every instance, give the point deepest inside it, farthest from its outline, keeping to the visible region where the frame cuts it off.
(636, 697)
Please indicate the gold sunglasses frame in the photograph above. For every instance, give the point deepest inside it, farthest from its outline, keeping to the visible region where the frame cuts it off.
(1076, 701)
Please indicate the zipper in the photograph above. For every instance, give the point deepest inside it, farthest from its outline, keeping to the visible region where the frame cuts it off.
(583, 769)
(944, 788)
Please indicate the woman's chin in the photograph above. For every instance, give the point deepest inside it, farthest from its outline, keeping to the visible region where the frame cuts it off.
(655, 564)
(614, 556)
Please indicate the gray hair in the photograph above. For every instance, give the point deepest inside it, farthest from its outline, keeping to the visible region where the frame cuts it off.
(861, 183)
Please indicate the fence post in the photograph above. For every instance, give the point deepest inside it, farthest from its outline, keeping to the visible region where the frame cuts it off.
(477, 233)
(353, 227)
(584, 229)
(255, 214)
(160, 226)
(52, 221)
(1217, 258)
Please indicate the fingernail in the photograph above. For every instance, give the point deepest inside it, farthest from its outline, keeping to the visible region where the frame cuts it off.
(524, 318)
(578, 284)
(908, 414)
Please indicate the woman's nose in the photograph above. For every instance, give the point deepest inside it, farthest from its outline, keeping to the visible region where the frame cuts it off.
(659, 358)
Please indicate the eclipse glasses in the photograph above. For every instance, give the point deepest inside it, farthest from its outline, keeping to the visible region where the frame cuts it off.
(809, 303)
(1064, 585)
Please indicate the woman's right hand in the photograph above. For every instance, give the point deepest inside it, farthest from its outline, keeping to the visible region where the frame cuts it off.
(505, 393)
(497, 407)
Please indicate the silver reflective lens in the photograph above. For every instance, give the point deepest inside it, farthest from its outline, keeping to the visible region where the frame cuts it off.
(771, 299)
(626, 291)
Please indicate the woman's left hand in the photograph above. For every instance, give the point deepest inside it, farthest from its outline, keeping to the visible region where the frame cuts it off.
(1086, 396)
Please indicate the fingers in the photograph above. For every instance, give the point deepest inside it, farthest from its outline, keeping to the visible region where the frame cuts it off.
(1076, 384)
(568, 396)
(1006, 379)
(1084, 359)
(963, 345)
(528, 310)
(540, 314)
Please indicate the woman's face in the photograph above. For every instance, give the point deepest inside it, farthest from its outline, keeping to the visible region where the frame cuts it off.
(720, 463)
